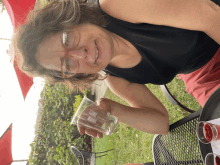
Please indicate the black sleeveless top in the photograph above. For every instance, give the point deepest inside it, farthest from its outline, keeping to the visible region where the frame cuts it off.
(166, 51)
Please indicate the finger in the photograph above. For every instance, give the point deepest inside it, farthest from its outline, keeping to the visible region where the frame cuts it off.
(99, 135)
(101, 103)
(81, 129)
(91, 132)
(104, 103)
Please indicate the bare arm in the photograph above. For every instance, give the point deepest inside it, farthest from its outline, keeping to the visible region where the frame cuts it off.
(213, 26)
(199, 15)
(146, 112)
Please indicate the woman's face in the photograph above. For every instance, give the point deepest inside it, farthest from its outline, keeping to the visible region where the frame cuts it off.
(93, 49)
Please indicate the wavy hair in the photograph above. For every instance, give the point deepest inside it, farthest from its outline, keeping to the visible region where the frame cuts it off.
(50, 20)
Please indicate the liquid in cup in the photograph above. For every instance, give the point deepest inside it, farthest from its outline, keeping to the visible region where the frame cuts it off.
(212, 159)
(207, 132)
(90, 115)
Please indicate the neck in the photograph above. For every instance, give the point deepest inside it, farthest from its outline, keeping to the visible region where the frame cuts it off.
(121, 46)
(125, 54)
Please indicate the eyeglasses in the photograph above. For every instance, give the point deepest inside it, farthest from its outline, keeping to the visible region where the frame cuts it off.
(69, 65)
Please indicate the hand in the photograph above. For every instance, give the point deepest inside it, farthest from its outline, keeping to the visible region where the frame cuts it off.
(102, 105)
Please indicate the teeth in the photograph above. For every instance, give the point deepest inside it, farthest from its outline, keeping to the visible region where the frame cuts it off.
(97, 52)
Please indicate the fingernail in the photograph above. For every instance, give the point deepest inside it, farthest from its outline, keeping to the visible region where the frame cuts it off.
(102, 105)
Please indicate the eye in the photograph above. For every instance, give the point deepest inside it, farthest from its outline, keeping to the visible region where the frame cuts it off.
(67, 61)
(71, 38)
(66, 39)
(70, 65)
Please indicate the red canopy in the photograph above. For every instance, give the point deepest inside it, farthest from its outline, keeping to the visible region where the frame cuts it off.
(5, 147)
(18, 11)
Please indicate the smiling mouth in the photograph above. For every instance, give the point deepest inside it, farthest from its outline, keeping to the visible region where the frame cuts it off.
(96, 52)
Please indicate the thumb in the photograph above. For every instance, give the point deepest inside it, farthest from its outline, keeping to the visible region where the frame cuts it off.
(105, 104)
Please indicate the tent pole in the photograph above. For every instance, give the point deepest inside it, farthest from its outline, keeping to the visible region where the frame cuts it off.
(5, 39)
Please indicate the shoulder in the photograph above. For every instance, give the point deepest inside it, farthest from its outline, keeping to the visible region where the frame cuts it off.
(185, 14)
(120, 9)
(116, 83)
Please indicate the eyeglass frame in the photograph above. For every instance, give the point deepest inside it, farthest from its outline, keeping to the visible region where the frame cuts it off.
(66, 50)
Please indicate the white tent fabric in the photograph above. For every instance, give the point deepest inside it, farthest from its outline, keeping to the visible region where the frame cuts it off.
(23, 131)
(13, 109)
(9, 87)
(11, 99)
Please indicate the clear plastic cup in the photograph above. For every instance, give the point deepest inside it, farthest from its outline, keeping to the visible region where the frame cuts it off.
(212, 159)
(207, 132)
(90, 115)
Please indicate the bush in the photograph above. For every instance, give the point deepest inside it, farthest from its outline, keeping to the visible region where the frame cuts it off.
(78, 99)
(55, 135)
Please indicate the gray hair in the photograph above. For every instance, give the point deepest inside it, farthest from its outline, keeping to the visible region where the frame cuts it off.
(50, 20)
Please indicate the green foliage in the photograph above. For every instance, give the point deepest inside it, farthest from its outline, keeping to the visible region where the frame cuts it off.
(78, 99)
(87, 92)
(2, 6)
(55, 135)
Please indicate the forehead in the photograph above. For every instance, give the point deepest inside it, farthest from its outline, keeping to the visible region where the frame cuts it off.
(49, 51)
(51, 40)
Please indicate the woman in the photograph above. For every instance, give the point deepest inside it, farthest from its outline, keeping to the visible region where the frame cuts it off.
(134, 43)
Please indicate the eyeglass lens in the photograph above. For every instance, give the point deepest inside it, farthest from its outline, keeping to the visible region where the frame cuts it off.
(70, 66)
(70, 40)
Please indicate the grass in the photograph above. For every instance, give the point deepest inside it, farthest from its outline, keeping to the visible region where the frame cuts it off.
(133, 146)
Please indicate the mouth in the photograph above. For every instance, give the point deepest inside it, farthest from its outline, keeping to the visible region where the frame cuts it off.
(96, 52)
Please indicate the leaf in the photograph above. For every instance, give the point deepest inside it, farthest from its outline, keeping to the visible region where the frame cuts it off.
(55, 136)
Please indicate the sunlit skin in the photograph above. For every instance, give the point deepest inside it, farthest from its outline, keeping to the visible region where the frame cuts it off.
(114, 50)
(110, 47)
(145, 113)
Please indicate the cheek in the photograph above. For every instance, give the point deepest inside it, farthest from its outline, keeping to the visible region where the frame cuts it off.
(86, 68)
(52, 64)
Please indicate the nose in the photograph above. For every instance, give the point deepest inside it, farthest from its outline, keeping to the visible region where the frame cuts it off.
(80, 54)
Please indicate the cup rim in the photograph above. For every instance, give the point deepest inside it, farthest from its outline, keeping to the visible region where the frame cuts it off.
(208, 155)
(74, 121)
(203, 140)
(213, 154)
